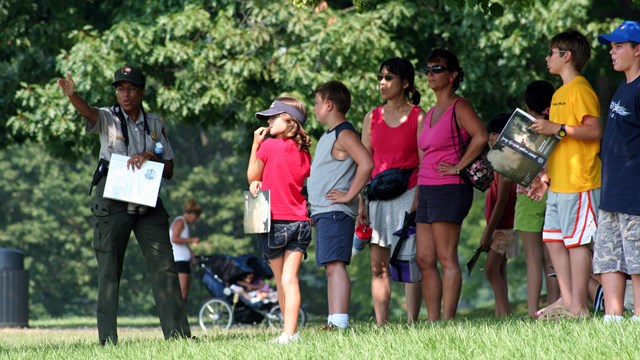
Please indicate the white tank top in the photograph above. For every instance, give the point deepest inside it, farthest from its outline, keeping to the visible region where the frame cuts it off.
(180, 251)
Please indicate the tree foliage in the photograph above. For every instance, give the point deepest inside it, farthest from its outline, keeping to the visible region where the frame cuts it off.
(210, 66)
(216, 63)
(494, 8)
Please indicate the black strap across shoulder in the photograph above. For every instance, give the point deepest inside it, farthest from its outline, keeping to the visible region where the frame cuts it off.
(343, 126)
(117, 111)
(461, 147)
(404, 234)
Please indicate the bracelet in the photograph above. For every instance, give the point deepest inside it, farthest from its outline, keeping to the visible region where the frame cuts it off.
(457, 171)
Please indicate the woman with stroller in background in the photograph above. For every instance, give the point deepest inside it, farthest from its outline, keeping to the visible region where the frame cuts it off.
(180, 240)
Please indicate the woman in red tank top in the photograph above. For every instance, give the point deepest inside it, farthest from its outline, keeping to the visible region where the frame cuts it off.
(390, 133)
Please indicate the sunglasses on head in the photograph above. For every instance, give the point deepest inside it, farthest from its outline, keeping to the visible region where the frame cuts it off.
(436, 69)
(387, 77)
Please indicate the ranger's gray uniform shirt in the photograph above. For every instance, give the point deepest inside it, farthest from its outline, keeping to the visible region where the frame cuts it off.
(112, 138)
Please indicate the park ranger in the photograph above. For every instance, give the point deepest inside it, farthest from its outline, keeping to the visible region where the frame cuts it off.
(126, 129)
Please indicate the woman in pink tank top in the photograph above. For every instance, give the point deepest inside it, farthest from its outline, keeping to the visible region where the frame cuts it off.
(390, 133)
(444, 199)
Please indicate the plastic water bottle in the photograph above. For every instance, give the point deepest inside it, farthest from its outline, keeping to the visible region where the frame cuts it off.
(158, 150)
(361, 238)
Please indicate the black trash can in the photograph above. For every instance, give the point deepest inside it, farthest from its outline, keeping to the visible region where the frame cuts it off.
(14, 289)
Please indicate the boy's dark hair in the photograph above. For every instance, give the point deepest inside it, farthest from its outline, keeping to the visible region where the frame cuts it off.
(498, 122)
(337, 93)
(576, 43)
(404, 69)
(538, 96)
(451, 60)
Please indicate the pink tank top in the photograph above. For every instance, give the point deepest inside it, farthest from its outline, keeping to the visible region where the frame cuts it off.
(395, 147)
(437, 142)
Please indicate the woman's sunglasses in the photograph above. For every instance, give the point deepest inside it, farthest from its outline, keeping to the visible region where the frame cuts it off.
(436, 69)
(387, 77)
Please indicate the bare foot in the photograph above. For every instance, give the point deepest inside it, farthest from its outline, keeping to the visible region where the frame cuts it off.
(550, 307)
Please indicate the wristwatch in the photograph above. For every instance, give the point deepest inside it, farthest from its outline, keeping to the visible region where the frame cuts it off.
(562, 132)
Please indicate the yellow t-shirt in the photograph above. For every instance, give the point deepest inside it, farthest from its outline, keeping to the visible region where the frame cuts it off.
(574, 165)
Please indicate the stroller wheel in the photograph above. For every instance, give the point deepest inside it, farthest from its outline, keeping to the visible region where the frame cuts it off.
(215, 314)
(276, 320)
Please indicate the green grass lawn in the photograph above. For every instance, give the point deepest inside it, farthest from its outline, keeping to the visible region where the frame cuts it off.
(472, 336)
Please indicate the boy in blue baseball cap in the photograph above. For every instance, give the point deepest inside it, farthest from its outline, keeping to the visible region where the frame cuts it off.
(617, 249)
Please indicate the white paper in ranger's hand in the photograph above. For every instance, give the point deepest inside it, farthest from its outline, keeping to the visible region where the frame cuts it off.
(140, 186)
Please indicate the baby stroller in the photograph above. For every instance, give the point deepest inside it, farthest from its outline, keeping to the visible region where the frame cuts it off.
(229, 305)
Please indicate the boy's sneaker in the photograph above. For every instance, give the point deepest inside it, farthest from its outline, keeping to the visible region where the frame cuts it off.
(285, 339)
(598, 299)
(612, 318)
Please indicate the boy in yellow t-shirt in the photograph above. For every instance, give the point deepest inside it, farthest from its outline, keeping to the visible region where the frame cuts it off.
(573, 175)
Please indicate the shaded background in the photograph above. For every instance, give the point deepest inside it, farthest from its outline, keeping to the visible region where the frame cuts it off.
(210, 65)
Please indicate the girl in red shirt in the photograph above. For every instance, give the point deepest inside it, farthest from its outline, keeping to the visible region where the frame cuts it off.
(281, 164)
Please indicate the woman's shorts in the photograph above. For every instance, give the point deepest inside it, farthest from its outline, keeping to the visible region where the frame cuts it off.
(529, 214)
(443, 203)
(285, 235)
(334, 237)
(183, 267)
(387, 216)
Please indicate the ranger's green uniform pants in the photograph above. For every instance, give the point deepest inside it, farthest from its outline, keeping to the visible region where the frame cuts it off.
(112, 229)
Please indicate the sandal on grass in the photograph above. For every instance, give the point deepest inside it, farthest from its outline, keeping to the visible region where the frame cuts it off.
(559, 312)
(544, 310)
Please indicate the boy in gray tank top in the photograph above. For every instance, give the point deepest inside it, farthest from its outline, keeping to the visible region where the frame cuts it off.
(341, 167)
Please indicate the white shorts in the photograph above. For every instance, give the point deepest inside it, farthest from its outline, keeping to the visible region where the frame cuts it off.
(386, 217)
(571, 218)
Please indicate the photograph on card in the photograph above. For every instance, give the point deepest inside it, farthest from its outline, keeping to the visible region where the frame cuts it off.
(520, 152)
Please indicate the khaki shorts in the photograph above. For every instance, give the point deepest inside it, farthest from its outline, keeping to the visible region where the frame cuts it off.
(505, 243)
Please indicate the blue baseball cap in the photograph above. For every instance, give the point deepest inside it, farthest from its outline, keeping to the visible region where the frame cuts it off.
(627, 31)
